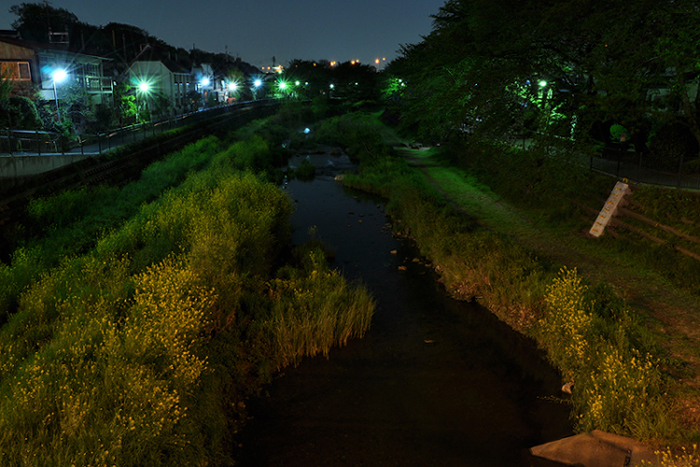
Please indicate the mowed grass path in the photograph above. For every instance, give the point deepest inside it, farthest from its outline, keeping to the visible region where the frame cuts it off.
(673, 314)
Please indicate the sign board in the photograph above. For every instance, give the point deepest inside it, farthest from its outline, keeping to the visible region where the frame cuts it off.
(609, 209)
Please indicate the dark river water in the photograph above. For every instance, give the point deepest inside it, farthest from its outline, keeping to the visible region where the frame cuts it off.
(435, 382)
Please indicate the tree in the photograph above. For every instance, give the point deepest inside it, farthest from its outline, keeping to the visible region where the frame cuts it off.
(499, 68)
(36, 19)
(16, 112)
(125, 102)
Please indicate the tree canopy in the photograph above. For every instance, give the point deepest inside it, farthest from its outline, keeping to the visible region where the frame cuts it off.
(565, 68)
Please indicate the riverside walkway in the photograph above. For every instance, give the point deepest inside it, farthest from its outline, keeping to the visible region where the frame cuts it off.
(30, 153)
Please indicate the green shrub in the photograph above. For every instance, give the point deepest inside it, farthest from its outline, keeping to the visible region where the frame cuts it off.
(360, 133)
(618, 383)
(305, 171)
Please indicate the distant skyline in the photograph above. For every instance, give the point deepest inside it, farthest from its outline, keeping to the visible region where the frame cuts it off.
(258, 30)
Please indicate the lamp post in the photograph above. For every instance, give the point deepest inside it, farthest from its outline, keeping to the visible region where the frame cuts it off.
(144, 91)
(204, 87)
(256, 85)
(232, 88)
(58, 76)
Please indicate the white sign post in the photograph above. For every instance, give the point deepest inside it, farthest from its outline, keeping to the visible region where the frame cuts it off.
(620, 190)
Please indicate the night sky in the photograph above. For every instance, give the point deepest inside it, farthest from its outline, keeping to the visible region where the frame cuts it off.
(257, 30)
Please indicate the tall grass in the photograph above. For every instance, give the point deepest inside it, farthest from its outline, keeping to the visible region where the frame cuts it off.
(72, 221)
(589, 334)
(141, 351)
(473, 262)
(314, 309)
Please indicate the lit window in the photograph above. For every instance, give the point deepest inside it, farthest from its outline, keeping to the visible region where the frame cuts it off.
(16, 71)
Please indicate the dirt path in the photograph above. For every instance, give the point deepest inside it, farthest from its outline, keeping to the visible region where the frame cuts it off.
(673, 313)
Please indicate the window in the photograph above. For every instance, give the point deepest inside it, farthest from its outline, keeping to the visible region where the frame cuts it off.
(24, 73)
(16, 71)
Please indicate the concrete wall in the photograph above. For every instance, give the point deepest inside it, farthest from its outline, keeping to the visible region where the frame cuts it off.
(24, 166)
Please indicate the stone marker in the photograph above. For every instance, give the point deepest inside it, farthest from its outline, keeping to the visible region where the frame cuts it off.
(596, 449)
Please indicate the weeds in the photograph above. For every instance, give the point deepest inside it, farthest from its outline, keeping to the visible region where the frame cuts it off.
(140, 350)
(587, 333)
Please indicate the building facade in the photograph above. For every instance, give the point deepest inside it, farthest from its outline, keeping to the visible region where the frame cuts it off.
(49, 67)
(159, 78)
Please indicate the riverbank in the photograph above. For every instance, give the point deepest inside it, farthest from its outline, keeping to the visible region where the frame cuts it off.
(435, 381)
(671, 313)
(628, 353)
(140, 344)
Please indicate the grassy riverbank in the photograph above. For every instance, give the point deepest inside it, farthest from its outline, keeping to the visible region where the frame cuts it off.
(527, 260)
(140, 345)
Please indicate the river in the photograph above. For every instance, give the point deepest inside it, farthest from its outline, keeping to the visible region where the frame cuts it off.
(435, 382)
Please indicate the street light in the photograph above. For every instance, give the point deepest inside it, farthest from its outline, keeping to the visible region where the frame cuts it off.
(58, 76)
(256, 84)
(144, 88)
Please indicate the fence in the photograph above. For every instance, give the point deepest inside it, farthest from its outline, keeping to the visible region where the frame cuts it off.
(19, 168)
(631, 165)
(23, 142)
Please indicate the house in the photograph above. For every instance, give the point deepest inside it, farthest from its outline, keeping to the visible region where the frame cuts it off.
(167, 79)
(49, 67)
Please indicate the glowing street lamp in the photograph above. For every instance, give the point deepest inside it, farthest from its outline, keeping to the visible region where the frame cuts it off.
(58, 76)
(256, 85)
(144, 90)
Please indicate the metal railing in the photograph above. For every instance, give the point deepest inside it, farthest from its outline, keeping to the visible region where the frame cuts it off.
(28, 142)
(632, 167)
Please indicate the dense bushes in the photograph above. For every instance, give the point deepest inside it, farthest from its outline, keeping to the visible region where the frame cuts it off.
(357, 133)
